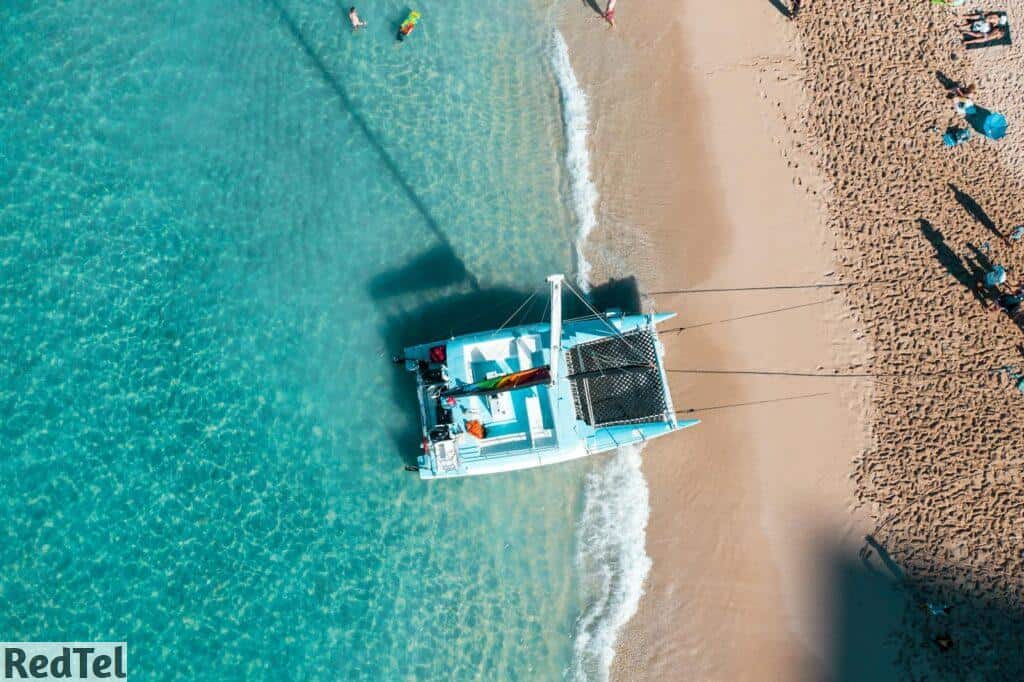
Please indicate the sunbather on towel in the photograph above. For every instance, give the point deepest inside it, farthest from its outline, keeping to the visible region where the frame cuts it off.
(976, 38)
(982, 22)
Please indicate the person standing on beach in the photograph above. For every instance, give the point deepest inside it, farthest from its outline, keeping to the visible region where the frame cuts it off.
(609, 13)
(959, 90)
(963, 105)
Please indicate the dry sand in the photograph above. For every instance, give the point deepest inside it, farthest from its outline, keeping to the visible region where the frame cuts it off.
(756, 151)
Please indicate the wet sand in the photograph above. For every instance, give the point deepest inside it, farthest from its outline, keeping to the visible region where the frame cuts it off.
(766, 152)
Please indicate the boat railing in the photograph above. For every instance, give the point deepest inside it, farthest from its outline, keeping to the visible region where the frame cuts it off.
(484, 453)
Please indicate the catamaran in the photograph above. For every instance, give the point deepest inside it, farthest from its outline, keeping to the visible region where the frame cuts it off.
(538, 394)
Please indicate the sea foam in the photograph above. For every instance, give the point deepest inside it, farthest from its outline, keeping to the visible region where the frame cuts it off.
(611, 534)
(612, 559)
(577, 155)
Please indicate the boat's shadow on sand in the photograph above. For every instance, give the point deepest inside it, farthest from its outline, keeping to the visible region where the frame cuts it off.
(467, 308)
(878, 625)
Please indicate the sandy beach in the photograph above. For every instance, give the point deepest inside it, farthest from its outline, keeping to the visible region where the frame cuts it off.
(763, 152)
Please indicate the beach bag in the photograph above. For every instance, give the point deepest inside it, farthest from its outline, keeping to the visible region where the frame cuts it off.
(955, 136)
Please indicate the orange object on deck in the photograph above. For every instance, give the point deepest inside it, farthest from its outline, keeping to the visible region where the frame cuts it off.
(475, 428)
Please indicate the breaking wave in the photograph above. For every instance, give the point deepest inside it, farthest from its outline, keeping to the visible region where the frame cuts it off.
(611, 533)
(577, 155)
(612, 559)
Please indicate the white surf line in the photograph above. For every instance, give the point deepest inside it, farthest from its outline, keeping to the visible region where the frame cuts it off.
(577, 155)
(611, 534)
(612, 560)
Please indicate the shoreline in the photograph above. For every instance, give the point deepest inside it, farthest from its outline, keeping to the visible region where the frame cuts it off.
(796, 535)
(738, 505)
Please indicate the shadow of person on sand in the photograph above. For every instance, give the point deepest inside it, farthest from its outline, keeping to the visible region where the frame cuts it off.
(872, 545)
(975, 210)
(946, 82)
(981, 258)
(954, 265)
(980, 265)
(783, 10)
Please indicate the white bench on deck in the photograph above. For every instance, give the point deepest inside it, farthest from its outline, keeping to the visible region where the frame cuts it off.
(535, 419)
(502, 440)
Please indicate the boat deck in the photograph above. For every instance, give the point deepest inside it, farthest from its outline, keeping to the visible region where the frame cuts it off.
(623, 397)
(511, 419)
(610, 397)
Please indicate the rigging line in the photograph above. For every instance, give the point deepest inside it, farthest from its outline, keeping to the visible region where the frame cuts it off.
(604, 319)
(744, 317)
(773, 288)
(927, 492)
(468, 322)
(526, 313)
(950, 372)
(514, 313)
(755, 402)
(591, 308)
(611, 360)
(861, 375)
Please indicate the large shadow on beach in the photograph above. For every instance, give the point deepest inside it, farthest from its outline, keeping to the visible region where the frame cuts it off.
(968, 273)
(880, 627)
(782, 8)
(975, 210)
(433, 316)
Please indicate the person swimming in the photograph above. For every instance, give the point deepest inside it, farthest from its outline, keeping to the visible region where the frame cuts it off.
(408, 25)
(353, 18)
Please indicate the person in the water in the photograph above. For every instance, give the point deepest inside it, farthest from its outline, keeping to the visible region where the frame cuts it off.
(408, 25)
(353, 18)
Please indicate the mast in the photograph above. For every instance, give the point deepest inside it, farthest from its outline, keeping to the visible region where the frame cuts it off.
(556, 326)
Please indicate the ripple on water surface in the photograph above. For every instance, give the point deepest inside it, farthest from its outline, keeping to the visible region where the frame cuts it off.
(215, 222)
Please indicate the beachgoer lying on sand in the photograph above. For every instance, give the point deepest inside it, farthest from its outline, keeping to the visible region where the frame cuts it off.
(981, 23)
(353, 17)
(609, 13)
(995, 35)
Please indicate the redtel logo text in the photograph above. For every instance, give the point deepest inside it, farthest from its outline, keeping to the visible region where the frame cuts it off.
(64, 660)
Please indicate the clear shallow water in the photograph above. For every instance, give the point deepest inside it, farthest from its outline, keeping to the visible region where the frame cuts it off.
(216, 222)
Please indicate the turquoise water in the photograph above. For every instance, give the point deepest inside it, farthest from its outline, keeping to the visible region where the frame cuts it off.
(217, 220)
